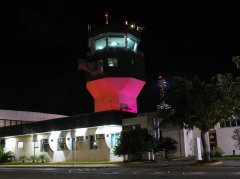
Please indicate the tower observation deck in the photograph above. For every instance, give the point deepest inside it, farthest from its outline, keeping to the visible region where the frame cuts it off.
(116, 69)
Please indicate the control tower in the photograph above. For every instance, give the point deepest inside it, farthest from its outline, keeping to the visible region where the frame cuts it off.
(116, 69)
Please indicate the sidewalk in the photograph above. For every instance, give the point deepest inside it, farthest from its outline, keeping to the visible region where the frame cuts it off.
(183, 162)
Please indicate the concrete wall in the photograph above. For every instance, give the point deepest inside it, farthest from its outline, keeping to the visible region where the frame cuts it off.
(188, 143)
(142, 120)
(225, 141)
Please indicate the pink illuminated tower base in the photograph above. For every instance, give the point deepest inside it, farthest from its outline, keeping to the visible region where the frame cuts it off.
(115, 93)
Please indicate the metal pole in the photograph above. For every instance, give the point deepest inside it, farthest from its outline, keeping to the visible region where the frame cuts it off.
(34, 152)
(73, 151)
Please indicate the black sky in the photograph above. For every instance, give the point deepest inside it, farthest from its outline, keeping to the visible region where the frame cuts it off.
(42, 40)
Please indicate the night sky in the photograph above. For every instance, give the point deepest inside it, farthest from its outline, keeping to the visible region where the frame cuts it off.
(42, 40)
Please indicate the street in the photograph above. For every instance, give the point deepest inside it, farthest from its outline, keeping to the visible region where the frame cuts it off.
(117, 173)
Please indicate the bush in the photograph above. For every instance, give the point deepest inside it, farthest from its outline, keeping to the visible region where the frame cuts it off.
(6, 156)
(32, 158)
(22, 158)
(43, 158)
(216, 152)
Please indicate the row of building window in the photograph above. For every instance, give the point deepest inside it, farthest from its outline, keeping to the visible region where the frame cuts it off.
(99, 65)
(114, 40)
(6, 122)
(232, 123)
(93, 140)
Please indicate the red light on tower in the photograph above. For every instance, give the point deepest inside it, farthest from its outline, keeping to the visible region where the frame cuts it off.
(106, 16)
(160, 77)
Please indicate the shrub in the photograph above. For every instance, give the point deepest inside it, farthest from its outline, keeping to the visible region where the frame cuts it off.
(42, 158)
(216, 152)
(22, 158)
(32, 158)
(5, 156)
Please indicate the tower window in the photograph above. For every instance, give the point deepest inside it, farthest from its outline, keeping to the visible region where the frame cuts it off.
(112, 62)
(132, 61)
(132, 44)
(116, 40)
(100, 43)
(100, 65)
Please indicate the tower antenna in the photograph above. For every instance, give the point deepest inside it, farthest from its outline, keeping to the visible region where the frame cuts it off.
(106, 16)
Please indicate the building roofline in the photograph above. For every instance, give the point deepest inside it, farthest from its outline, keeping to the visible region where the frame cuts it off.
(71, 122)
(27, 115)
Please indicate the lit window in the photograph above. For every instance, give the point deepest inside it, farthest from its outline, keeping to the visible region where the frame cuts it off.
(99, 48)
(116, 40)
(132, 61)
(7, 123)
(20, 145)
(1, 123)
(112, 62)
(100, 65)
(36, 145)
(114, 44)
(45, 146)
(62, 144)
(92, 142)
(80, 138)
(100, 136)
(114, 139)
(132, 43)
(100, 43)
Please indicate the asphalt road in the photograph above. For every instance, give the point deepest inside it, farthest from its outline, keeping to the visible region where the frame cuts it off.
(120, 173)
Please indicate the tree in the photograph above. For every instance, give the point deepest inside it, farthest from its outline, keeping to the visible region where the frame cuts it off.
(201, 104)
(5, 156)
(236, 60)
(134, 143)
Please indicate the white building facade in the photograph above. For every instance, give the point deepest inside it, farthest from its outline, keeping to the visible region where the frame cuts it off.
(92, 137)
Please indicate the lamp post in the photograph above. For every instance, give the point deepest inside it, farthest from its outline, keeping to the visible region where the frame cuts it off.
(34, 141)
(73, 139)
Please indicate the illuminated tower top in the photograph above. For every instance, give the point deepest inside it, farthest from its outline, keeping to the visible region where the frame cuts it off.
(114, 52)
(114, 37)
(116, 69)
